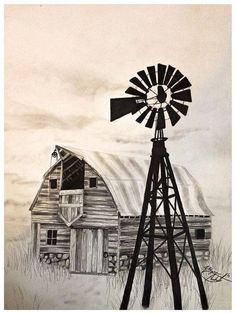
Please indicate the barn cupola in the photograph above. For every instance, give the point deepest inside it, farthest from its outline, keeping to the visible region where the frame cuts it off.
(71, 193)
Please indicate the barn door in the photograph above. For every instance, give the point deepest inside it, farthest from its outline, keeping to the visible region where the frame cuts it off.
(89, 251)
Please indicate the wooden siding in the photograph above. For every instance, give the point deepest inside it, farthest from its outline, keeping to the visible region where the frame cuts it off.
(129, 229)
(99, 211)
(48, 199)
(63, 239)
(99, 208)
(113, 241)
(35, 230)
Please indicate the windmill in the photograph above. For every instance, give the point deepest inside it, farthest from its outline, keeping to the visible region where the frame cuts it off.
(159, 95)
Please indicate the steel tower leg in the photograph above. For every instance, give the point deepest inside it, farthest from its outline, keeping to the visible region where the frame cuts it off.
(202, 292)
(149, 262)
(170, 242)
(129, 283)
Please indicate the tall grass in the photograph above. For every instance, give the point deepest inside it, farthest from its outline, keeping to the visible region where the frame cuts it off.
(30, 284)
(162, 296)
(19, 257)
(27, 281)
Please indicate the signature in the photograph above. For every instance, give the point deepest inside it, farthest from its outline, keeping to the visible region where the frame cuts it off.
(210, 275)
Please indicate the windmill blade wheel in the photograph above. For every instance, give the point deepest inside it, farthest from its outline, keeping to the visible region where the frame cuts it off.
(157, 94)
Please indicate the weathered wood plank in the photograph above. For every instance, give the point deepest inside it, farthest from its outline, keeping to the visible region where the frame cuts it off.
(105, 249)
(83, 251)
(69, 205)
(94, 220)
(72, 192)
(113, 238)
(42, 212)
(99, 209)
(35, 237)
(46, 201)
(47, 219)
(99, 204)
(100, 250)
(105, 217)
(47, 206)
(57, 249)
(89, 250)
(97, 192)
(94, 253)
(73, 240)
(98, 197)
(78, 250)
(46, 190)
(59, 227)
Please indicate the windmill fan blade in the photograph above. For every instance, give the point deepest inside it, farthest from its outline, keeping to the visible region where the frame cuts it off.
(137, 107)
(161, 123)
(152, 74)
(143, 115)
(176, 77)
(144, 77)
(174, 117)
(150, 121)
(135, 92)
(184, 83)
(180, 107)
(184, 95)
(122, 106)
(138, 83)
(161, 70)
(169, 72)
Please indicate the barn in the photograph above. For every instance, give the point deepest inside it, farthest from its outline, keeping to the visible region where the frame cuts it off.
(86, 213)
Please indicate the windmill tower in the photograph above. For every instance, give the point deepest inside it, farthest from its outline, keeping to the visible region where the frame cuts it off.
(159, 95)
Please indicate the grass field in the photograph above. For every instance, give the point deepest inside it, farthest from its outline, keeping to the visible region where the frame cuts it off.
(32, 285)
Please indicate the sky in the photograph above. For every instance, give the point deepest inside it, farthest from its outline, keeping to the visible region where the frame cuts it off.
(64, 63)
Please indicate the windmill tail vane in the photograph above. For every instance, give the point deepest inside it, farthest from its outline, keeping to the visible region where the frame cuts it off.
(158, 97)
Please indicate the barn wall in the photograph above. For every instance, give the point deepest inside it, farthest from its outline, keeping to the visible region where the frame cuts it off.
(129, 229)
(46, 206)
(99, 211)
(63, 239)
(99, 208)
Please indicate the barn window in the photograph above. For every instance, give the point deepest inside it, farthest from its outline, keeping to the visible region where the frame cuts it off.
(200, 233)
(92, 182)
(53, 183)
(52, 237)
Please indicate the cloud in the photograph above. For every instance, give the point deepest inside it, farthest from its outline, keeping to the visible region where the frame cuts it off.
(126, 140)
(47, 120)
(14, 178)
(16, 204)
(180, 134)
(90, 84)
(143, 138)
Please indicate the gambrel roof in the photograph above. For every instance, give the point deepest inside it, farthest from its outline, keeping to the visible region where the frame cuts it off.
(125, 177)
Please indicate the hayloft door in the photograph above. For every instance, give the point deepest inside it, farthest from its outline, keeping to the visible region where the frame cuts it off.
(88, 252)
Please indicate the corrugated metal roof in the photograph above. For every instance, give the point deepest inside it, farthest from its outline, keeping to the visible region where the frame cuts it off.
(125, 177)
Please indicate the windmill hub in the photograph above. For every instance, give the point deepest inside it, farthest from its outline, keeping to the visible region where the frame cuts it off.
(161, 94)
(158, 96)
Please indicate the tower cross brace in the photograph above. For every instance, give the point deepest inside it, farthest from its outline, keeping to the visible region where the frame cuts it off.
(162, 192)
